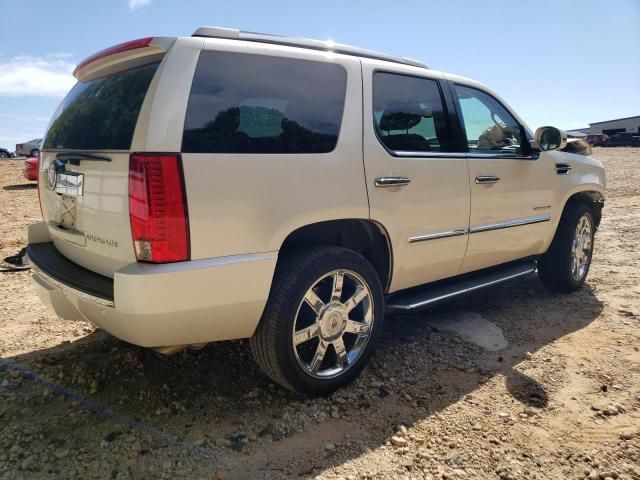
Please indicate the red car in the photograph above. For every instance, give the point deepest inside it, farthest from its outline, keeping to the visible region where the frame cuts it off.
(30, 168)
(597, 139)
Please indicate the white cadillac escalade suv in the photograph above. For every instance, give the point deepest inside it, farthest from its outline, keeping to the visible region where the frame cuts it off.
(239, 185)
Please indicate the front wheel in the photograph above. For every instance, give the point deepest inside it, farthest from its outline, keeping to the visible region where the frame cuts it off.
(322, 320)
(564, 267)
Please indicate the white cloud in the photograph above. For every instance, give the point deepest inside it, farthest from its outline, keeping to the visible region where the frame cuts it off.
(135, 4)
(49, 76)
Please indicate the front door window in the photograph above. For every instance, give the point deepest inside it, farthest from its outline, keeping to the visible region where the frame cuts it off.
(490, 128)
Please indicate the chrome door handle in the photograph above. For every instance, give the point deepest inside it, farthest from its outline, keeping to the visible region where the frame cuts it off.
(563, 168)
(392, 181)
(487, 179)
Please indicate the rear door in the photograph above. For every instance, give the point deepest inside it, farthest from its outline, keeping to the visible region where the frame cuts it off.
(85, 157)
(418, 190)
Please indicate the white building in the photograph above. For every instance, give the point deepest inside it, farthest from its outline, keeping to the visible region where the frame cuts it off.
(609, 127)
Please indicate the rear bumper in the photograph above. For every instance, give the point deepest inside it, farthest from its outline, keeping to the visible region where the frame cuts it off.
(157, 305)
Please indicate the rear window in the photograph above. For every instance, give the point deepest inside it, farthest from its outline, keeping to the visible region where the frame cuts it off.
(243, 103)
(101, 114)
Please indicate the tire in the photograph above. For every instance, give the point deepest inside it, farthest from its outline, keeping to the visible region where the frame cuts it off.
(34, 152)
(3, 155)
(314, 270)
(559, 269)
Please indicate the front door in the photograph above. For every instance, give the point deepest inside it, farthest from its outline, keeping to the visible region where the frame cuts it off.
(511, 195)
(418, 190)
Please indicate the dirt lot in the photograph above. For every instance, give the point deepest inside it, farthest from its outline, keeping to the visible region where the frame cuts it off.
(561, 401)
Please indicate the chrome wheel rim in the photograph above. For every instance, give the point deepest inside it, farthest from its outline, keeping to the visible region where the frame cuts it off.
(581, 248)
(333, 324)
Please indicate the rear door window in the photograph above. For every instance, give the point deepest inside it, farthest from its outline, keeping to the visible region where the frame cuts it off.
(101, 114)
(243, 103)
(408, 113)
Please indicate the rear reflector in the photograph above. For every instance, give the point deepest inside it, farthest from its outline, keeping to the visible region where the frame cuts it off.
(158, 208)
(121, 47)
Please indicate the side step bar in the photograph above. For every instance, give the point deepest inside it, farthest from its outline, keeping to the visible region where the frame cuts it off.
(428, 295)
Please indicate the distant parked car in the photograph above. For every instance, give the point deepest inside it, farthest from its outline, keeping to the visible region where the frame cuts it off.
(597, 139)
(624, 139)
(30, 148)
(4, 153)
(30, 168)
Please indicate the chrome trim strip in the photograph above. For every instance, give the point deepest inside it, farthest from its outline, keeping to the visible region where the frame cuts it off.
(464, 290)
(505, 155)
(437, 235)
(518, 222)
(428, 154)
(57, 283)
(462, 155)
(481, 228)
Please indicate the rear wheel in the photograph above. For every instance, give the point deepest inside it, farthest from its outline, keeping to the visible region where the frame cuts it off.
(564, 267)
(322, 320)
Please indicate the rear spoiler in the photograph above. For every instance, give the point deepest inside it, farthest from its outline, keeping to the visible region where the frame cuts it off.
(124, 55)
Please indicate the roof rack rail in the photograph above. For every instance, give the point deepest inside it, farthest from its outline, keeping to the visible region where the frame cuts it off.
(327, 46)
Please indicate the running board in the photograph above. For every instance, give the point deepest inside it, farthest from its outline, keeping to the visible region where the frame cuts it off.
(427, 295)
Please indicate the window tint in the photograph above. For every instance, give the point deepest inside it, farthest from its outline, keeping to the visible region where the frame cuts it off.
(241, 103)
(408, 113)
(489, 126)
(101, 114)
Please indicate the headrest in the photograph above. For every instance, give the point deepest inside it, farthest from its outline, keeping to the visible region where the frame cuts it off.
(400, 116)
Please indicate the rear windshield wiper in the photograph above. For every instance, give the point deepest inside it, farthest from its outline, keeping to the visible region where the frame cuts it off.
(74, 158)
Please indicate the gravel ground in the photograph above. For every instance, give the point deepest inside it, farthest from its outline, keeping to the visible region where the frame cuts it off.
(561, 401)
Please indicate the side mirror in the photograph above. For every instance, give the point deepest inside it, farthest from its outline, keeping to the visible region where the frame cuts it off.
(550, 138)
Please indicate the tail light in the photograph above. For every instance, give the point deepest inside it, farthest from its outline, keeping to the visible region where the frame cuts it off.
(38, 185)
(158, 208)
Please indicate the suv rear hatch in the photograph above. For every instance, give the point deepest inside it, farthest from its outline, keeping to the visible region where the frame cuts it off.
(84, 187)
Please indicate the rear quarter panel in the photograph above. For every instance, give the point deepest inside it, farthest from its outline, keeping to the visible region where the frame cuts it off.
(249, 203)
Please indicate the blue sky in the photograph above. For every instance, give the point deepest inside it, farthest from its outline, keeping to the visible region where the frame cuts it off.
(557, 62)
